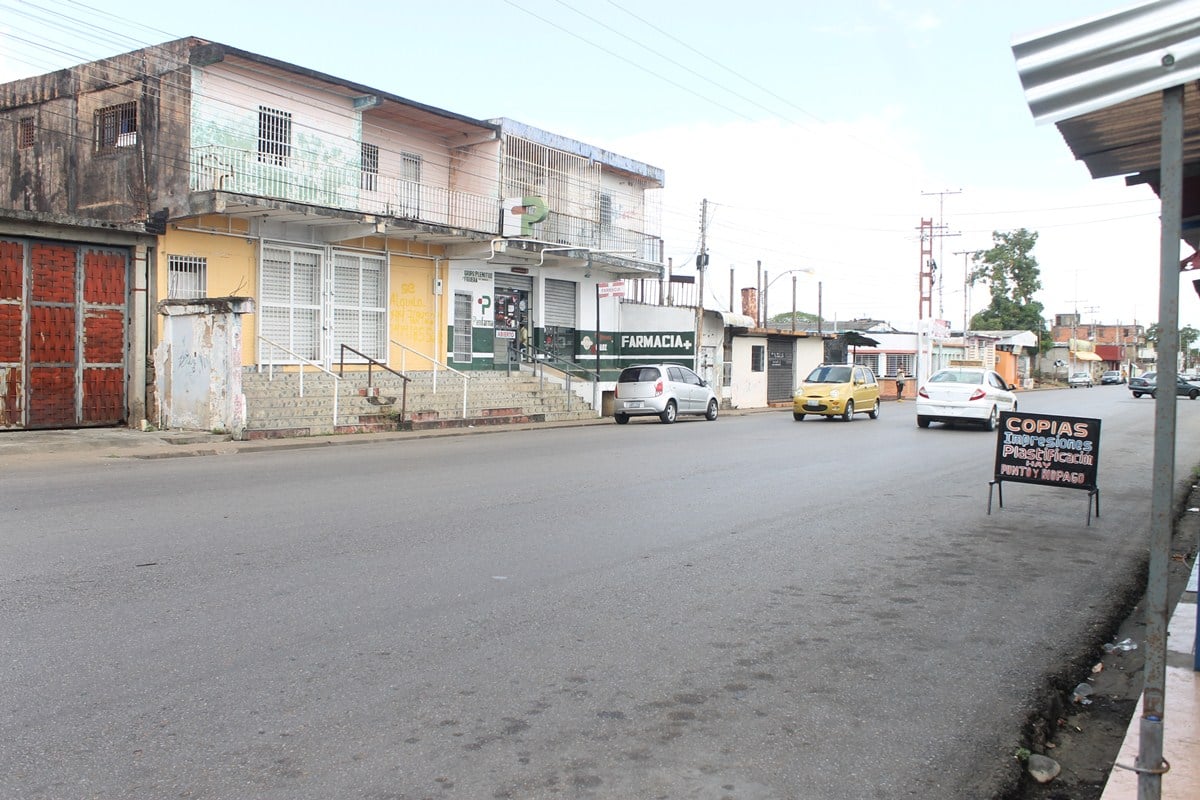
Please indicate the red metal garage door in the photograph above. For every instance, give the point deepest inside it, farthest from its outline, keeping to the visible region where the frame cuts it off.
(73, 301)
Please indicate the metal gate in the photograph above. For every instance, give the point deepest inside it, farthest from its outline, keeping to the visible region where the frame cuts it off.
(63, 334)
(561, 320)
(780, 379)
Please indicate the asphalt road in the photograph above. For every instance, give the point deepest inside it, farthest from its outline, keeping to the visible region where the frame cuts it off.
(753, 608)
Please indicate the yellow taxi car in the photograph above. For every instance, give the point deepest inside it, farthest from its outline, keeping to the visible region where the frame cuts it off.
(837, 390)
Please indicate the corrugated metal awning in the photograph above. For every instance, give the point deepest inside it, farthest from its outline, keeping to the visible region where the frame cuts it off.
(1101, 80)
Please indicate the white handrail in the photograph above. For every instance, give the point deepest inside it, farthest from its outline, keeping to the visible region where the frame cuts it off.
(303, 361)
(405, 349)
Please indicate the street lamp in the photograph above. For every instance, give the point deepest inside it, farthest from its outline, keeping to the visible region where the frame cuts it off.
(763, 309)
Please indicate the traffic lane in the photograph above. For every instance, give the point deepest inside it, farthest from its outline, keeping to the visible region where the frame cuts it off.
(739, 589)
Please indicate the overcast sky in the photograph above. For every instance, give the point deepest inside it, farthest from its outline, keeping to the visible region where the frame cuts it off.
(820, 133)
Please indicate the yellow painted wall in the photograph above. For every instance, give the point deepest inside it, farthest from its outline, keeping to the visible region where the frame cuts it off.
(415, 314)
(232, 269)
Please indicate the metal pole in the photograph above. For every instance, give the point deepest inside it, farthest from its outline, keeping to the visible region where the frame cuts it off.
(793, 304)
(819, 331)
(1150, 741)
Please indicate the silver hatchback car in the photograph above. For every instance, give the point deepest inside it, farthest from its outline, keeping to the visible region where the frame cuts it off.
(662, 390)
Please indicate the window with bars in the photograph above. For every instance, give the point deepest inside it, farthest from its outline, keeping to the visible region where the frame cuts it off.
(868, 360)
(116, 126)
(187, 277)
(274, 136)
(898, 361)
(25, 133)
(368, 179)
(758, 358)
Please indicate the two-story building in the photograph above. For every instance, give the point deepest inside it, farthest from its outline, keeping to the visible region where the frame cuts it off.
(359, 224)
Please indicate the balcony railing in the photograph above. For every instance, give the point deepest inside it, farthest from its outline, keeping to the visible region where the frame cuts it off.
(609, 238)
(228, 169)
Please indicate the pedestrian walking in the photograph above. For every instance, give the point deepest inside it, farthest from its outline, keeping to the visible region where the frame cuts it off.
(900, 379)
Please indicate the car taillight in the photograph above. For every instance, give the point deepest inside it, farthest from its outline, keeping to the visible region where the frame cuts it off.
(978, 394)
(922, 393)
(658, 388)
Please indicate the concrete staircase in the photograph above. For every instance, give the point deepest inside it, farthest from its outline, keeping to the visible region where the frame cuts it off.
(275, 409)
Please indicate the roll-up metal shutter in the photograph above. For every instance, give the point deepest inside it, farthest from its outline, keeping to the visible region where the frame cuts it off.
(506, 280)
(560, 303)
(780, 381)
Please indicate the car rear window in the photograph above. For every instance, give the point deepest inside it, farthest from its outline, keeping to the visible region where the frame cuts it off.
(956, 376)
(639, 374)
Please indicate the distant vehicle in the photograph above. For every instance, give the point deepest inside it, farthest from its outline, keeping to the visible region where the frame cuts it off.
(1080, 379)
(1111, 377)
(1147, 383)
(964, 394)
(662, 390)
(837, 390)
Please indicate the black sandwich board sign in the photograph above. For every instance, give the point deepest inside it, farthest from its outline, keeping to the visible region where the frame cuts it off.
(1047, 450)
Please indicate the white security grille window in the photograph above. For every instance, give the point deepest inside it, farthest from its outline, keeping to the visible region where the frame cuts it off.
(359, 311)
(462, 328)
(898, 361)
(290, 313)
(408, 188)
(868, 360)
(369, 174)
(187, 277)
(274, 136)
(116, 126)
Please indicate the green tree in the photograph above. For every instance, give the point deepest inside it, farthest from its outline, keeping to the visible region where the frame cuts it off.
(1187, 337)
(1010, 271)
(784, 320)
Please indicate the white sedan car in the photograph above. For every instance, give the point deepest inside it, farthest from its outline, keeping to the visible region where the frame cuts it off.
(964, 394)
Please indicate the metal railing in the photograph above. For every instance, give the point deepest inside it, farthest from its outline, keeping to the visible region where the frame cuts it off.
(339, 185)
(539, 358)
(303, 363)
(466, 379)
(371, 364)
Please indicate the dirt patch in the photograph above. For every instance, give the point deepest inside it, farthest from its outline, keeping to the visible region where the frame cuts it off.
(1085, 738)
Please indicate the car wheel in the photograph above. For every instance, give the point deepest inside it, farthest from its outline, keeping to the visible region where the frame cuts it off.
(797, 417)
(620, 419)
(669, 413)
(874, 412)
(711, 414)
(990, 423)
(1137, 395)
(922, 422)
(1193, 394)
(848, 414)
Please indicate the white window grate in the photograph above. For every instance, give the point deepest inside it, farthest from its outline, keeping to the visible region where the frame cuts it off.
(897, 361)
(116, 126)
(187, 277)
(369, 175)
(274, 136)
(462, 328)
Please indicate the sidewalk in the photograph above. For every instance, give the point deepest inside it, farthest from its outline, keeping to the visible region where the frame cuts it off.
(102, 443)
(1181, 723)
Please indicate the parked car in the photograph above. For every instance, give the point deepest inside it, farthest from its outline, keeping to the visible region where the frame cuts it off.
(1080, 379)
(1111, 377)
(1147, 383)
(837, 390)
(662, 390)
(964, 394)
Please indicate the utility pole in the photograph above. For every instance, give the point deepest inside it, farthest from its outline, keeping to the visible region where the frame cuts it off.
(941, 227)
(701, 266)
(966, 286)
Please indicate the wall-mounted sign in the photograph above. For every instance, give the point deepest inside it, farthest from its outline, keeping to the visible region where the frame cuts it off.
(1048, 450)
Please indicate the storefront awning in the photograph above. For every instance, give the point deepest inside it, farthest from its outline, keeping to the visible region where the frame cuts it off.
(1085, 356)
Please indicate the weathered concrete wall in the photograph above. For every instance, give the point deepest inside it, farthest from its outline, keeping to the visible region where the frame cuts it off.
(198, 365)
